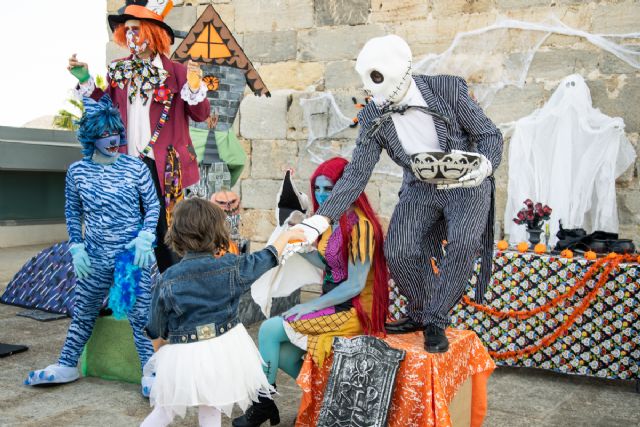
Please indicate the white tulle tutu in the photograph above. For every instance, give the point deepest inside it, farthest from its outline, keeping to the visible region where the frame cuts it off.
(218, 372)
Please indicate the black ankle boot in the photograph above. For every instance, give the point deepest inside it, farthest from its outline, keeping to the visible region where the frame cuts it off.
(262, 410)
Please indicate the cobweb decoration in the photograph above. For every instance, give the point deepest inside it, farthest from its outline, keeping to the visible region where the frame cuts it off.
(489, 58)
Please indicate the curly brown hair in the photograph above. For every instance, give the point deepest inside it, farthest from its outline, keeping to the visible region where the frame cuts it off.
(198, 226)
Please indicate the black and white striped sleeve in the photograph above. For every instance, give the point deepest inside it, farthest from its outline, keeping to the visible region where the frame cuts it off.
(481, 130)
(356, 174)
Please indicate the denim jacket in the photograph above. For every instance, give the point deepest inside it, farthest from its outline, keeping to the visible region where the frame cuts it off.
(201, 289)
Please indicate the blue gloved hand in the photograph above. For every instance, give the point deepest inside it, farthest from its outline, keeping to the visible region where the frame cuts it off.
(81, 262)
(143, 245)
(297, 311)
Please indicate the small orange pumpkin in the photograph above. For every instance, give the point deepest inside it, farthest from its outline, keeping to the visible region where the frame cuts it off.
(540, 248)
(502, 245)
(612, 255)
(566, 254)
(590, 255)
(523, 247)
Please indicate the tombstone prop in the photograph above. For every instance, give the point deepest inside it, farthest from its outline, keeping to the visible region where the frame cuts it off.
(361, 383)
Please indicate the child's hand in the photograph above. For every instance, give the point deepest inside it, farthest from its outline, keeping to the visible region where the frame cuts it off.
(289, 242)
(295, 236)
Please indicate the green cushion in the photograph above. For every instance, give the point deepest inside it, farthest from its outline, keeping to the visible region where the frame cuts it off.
(110, 353)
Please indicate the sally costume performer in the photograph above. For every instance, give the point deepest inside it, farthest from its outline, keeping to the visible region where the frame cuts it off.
(156, 98)
(354, 296)
(106, 190)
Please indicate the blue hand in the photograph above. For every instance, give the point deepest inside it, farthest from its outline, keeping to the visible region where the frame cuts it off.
(297, 311)
(143, 245)
(81, 261)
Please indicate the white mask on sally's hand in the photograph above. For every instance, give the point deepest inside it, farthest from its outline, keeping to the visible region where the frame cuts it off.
(384, 65)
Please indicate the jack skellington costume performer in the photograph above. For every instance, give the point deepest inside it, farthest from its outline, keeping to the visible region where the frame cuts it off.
(424, 123)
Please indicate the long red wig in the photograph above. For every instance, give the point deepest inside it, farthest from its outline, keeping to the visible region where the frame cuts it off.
(333, 169)
(158, 39)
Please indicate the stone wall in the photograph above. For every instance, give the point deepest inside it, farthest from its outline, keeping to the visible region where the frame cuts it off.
(302, 46)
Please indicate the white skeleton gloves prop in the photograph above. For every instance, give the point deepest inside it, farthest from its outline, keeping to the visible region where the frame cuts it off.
(313, 227)
(474, 177)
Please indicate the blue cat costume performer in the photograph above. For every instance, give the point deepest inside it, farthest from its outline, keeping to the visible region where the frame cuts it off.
(107, 190)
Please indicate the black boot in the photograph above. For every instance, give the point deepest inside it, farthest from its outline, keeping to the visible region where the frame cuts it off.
(262, 410)
(435, 340)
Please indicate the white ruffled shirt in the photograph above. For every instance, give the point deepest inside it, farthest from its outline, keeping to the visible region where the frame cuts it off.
(416, 130)
(138, 123)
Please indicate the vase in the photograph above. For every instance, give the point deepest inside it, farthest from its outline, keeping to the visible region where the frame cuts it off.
(534, 235)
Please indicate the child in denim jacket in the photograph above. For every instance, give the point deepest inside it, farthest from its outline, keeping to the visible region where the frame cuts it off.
(211, 361)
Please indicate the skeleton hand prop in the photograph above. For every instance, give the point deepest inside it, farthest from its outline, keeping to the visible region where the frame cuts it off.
(312, 228)
(143, 245)
(81, 262)
(474, 177)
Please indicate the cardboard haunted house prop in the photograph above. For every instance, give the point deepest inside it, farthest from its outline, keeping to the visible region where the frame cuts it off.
(226, 71)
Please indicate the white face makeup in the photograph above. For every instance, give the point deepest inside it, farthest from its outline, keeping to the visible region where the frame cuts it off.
(384, 65)
(136, 46)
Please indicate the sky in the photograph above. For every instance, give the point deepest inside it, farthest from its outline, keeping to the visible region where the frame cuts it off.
(36, 39)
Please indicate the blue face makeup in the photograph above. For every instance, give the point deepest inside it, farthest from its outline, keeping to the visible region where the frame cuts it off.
(108, 145)
(322, 189)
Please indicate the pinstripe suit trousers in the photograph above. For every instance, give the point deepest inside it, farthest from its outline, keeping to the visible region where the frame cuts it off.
(415, 221)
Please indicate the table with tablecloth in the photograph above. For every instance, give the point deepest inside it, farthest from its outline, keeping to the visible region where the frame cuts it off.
(585, 327)
(425, 383)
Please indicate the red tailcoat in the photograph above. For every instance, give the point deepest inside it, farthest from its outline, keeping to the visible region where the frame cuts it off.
(176, 130)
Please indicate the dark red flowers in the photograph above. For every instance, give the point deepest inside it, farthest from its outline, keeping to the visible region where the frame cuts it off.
(533, 214)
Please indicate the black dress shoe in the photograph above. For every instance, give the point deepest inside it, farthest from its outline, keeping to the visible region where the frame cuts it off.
(403, 326)
(435, 340)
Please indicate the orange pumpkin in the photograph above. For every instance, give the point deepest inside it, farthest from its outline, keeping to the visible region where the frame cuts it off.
(612, 255)
(523, 247)
(590, 255)
(540, 248)
(566, 254)
(502, 245)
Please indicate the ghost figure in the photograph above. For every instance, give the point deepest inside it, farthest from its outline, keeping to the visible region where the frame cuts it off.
(568, 155)
(424, 118)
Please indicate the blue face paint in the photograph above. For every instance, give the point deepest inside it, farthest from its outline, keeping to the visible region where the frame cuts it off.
(108, 145)
(322, 189)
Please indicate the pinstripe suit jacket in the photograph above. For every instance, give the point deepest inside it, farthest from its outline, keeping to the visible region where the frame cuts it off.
(469, 130)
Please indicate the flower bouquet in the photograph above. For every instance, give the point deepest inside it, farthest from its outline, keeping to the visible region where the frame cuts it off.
(533, 215)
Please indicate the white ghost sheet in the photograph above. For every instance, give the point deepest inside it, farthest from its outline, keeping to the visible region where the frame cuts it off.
(292, 207)
(567, 155)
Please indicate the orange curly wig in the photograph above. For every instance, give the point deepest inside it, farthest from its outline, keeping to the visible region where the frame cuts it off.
(158, 39)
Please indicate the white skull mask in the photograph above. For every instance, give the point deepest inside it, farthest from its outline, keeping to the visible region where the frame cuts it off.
(384, 65)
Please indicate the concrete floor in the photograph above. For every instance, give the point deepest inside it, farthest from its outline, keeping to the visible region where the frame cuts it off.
(517, 397)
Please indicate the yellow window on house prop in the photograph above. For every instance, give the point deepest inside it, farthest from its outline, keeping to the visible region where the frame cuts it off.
(209, 45)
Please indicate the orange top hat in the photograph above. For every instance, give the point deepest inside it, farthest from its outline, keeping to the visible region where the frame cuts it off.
(148, 10)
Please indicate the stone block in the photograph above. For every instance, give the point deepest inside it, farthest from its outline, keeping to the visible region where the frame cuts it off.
(558, 63)
(182, 18)
(341, 12)
(272, 158)
(341, 74)
(373, 195)
(114, 5)
(259, 193)
(446, 9)
(398, 10)
(611, 64)
(628, 206)
(246, 146)
(297, 126)
(264, 118)
(330, 44)
(622, 17)
(226, 11)
(292, 75)
(271, 46)
(273, 15)
(618, 97)
(388, 198)
(258, 224)
(513, 103)
(114, 52)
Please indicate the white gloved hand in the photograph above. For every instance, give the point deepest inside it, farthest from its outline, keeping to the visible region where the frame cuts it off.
(474, 177)
(312, 227)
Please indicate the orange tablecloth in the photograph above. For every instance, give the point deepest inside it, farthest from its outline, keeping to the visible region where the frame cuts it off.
(425, 384)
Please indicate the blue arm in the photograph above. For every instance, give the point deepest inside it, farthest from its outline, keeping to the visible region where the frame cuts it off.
(72, 209)
(150, 201)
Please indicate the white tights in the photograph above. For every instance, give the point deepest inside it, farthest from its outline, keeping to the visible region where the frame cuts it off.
(208, 416)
